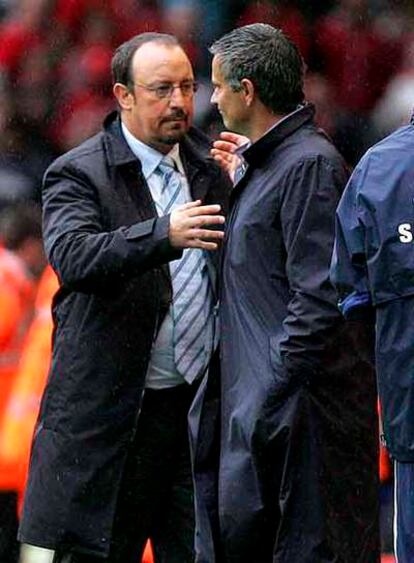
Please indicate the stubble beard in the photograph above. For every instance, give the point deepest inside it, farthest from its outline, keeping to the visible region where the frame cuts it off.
(174, 136)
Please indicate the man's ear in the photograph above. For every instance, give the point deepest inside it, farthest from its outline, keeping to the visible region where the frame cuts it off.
(123, 95)
(249, 91)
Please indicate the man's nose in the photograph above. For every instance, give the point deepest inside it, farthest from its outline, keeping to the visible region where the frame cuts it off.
(177, 97)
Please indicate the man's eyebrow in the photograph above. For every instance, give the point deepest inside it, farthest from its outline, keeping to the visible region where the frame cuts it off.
(165, 82)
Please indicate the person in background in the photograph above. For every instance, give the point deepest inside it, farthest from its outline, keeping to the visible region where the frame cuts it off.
(131, 224)
(286, 444)
(19, 416)
(372, 269)
(21, 263)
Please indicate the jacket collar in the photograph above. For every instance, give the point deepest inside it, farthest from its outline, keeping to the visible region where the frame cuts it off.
(194, 160)
(278, 133)
(118, 151)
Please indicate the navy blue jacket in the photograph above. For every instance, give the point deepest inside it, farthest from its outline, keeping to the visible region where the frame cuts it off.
(373, 266)
(297, 401)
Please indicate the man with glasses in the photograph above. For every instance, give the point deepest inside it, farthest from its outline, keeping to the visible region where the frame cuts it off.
(132, 221)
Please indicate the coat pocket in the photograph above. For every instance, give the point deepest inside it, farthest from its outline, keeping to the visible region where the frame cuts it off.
(285, 382)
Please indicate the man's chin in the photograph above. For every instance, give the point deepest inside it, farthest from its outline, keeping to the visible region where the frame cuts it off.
(227, 123)
(172, 138)
(234, 126)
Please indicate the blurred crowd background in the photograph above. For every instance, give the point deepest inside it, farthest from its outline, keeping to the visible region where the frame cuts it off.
(55, 89)
(55, 59)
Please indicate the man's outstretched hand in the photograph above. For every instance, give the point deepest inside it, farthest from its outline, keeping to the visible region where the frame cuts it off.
(188, 224)
(224, 148)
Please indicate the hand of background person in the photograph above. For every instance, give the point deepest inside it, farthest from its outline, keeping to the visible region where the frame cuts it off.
(188, 222)
(224, 148)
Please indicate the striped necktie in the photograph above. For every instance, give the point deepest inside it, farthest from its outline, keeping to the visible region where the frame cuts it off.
(239, 172)
(192, 296)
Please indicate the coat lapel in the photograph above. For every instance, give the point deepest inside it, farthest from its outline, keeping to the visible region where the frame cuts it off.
(138, 190)
(196, 177)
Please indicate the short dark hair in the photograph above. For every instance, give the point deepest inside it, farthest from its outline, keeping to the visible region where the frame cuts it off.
(267, 57)
(20, 222)
(122, 60)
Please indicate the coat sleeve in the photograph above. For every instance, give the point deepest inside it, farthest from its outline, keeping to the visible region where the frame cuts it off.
(348, 268)
(84, 255)
(312, 190)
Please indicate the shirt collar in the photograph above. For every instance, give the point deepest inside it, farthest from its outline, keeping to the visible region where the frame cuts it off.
(149, 157)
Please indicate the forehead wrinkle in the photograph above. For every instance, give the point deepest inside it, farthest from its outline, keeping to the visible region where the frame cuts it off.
(161, 63)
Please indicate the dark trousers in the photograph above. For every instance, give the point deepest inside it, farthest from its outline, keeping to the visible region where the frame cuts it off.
(9, 547)
(156, 497)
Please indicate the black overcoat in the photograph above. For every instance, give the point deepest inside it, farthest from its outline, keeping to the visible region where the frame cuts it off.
(289, 472)
(110, 252)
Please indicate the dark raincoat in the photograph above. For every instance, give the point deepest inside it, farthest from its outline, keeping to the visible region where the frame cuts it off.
(285, 447)
(373, 266)
(110, 250)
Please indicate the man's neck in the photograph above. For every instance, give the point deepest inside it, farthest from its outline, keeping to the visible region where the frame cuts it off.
(261, 123)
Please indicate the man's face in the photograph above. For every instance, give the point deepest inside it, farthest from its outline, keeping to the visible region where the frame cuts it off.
(230, 104)
(155, 120)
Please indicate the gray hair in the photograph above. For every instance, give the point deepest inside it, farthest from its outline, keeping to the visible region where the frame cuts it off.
(267, 57)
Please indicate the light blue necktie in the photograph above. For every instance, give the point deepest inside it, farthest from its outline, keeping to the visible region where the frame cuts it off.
(239, 172)
(192, 296)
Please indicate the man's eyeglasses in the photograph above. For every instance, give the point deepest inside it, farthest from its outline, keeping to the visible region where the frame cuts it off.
(166, 89)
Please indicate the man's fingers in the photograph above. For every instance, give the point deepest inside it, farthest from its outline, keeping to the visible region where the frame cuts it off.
(198, 243)
(186, 226)
(221, 156)
(206, 220)
(206, 234)
(223, 160)
(234, 138)
(224, 146)
(189, 205)
(203, 210)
